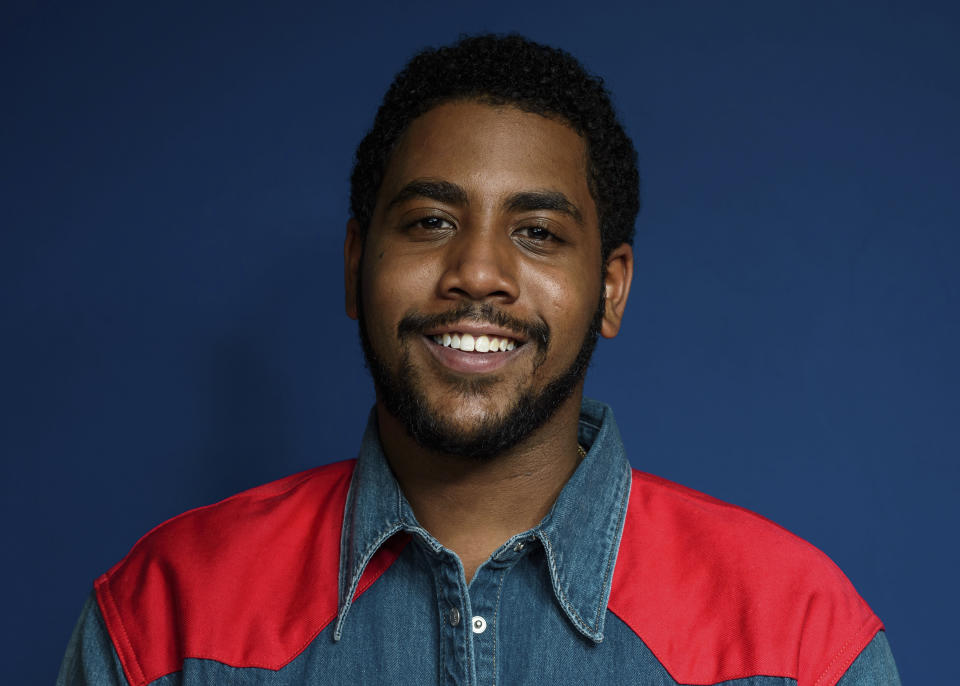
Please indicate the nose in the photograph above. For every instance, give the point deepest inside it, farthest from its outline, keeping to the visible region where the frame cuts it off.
(480, 264)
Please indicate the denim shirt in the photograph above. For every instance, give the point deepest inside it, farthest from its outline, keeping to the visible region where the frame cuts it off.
(538, 611)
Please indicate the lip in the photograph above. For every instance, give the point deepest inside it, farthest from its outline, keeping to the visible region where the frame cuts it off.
(469, 362)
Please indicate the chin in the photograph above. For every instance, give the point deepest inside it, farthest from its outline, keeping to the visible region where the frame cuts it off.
(471, 421)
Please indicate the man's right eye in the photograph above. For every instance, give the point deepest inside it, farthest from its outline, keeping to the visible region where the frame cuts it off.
(432, 223)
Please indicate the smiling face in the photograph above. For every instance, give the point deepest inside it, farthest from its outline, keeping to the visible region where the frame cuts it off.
(480, 283)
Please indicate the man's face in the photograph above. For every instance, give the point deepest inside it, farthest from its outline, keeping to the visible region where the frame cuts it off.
(484, 233)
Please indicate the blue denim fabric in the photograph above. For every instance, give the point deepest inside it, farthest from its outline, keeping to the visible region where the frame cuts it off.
(579, 537)
(875, 665)
(91, 657)
(535, 613)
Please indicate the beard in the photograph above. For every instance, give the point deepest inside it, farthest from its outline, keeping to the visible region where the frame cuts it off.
(402, 394)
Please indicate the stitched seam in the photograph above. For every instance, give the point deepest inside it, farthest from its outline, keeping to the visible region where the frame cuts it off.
(612, 554)
(345, 527)
(400, 504)
(275, 666)
(140, 677)
(589, 422)
(436, 595)
(723, 677)
(829, 667)
(563, 596)
(355, 581)
(856, 638)
(368, 554)
(496, 617)
(467, 640)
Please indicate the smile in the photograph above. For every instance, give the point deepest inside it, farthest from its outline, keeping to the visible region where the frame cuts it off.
(472, 353)
(470, 343)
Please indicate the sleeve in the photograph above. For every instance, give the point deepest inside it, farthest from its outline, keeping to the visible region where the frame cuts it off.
(873, 667)
(91, 659)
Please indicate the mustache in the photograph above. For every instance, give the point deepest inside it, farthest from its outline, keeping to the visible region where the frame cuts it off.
(416, 323)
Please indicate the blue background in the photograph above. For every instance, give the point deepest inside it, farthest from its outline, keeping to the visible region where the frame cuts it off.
(174, 193)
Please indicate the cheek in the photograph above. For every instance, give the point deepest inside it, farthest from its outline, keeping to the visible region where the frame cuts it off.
(569, 302)
(392, 287)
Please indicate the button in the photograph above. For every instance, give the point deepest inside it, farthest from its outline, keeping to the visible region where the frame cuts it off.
(479, 624)
(453, 616)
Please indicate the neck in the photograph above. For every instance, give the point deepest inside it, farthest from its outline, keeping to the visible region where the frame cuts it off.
(473, 506)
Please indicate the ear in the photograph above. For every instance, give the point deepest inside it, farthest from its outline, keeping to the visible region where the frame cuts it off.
(352, 252)
(616, 284)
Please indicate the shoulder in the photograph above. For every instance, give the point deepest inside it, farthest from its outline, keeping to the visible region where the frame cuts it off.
(206, 583)
(226, 532)
(751, 597)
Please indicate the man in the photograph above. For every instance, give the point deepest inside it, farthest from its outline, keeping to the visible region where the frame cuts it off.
(491, 530)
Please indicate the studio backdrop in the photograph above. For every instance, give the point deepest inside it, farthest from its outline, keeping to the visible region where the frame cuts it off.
(174, 198)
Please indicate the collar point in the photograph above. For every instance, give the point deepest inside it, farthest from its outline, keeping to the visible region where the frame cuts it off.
(594, 636)
(594, 633)
(341, 618)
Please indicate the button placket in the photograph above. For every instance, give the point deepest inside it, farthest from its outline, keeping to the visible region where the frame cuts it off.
(453, 613)
(485, 592)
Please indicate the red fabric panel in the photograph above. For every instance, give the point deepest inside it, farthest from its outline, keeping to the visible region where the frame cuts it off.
(249, 581)
(717, 592)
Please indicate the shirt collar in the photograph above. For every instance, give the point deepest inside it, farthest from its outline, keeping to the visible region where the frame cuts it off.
(580, 535)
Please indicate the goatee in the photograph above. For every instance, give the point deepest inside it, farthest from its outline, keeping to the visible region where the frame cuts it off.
(401, 393)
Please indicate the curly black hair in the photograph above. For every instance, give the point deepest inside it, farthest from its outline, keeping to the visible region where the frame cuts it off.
(508, 70)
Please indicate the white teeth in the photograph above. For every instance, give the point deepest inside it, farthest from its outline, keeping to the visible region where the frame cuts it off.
(469, 343)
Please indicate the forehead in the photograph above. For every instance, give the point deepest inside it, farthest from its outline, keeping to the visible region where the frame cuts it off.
(491, 151)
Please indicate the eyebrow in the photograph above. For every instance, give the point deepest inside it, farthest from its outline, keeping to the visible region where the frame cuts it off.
(452, 194)
(556, 201)
(441, 191)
